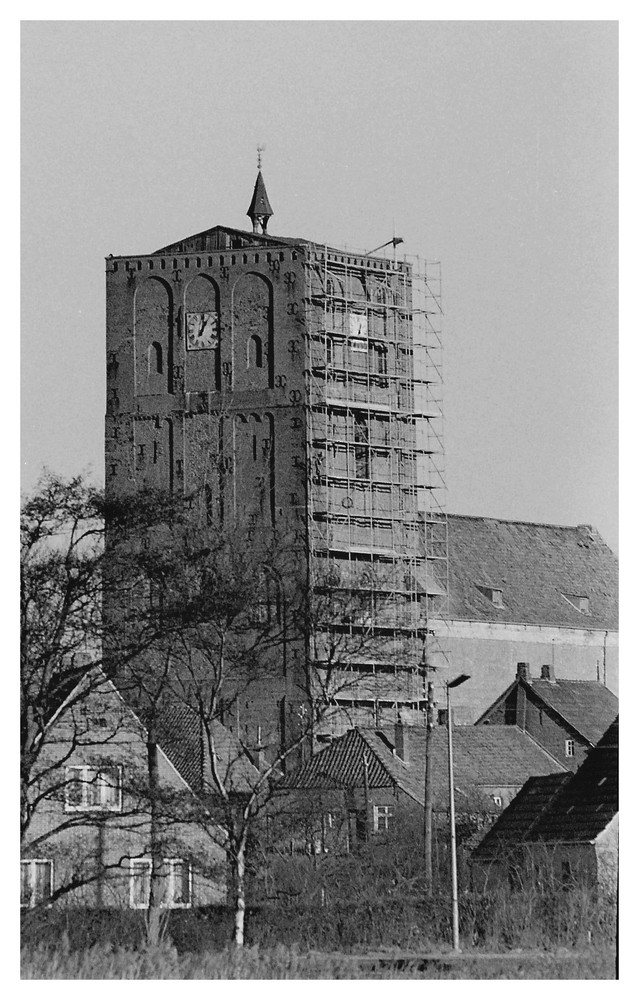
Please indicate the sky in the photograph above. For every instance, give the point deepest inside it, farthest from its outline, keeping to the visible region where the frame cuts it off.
(490, 146)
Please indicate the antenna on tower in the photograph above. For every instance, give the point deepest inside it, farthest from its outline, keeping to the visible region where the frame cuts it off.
(260, 150)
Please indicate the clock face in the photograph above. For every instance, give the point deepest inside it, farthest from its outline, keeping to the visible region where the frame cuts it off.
(201, 331)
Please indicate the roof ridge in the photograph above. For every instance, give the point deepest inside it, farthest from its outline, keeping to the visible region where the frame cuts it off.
(518, 520)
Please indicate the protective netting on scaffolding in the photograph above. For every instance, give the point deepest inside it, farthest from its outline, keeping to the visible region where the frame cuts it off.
(376, 497)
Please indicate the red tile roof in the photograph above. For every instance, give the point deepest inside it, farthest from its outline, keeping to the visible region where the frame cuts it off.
(484, 758)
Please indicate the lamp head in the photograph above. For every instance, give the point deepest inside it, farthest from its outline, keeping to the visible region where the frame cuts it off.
(458, 680)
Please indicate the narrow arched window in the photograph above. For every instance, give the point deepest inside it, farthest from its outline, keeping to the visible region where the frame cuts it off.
(254, 352)
(208, 502)
(156, 366)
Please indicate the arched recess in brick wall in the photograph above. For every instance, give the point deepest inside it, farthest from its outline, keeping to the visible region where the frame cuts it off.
(168, 456)
(254, 467)
(252, 314)
(202, 335)
(153, 337)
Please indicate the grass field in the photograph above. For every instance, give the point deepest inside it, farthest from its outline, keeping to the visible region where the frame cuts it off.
(165, 962)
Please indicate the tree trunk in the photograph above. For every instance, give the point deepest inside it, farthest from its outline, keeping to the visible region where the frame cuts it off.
(155, 895)
(239, 878)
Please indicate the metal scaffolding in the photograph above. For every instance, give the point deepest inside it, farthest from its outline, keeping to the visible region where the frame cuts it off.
(377, 531)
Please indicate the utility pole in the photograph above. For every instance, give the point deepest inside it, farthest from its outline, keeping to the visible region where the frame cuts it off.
(453, 838)
(428, 792)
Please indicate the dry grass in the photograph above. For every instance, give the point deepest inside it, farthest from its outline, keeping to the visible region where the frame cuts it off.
(164, 962)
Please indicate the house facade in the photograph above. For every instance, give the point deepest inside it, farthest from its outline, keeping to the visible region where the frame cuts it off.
(375, 779)
(89, 840)
(567, 717)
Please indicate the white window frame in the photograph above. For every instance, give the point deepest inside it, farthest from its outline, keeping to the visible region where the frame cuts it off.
(93, 777)
(139, 868)
(382, 813)
(142, 868)
(32, 863)
(569, 748)
(358, 345)
(170, 894)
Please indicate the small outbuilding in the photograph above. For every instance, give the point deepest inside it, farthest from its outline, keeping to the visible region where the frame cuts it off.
(563, 827)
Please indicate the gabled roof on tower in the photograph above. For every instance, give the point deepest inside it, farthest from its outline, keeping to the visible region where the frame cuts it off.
(227, 238)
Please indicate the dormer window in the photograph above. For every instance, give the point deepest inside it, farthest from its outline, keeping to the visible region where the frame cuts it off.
(580, 602)
(494, 594)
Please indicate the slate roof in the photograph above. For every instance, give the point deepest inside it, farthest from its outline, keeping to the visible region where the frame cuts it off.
(561, 808)
(533, 565)
(484, 758)
(588, 707)
(589, 801)
(260, 205)
(520, 815)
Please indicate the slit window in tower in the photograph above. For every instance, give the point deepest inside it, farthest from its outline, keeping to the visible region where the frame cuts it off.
(381, 359)
(329, 350)
(254, 352)
(208, 501)
(156, 366)
(362, 464)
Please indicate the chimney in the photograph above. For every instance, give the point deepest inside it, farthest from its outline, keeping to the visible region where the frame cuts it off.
(523, 672)
(548, 672)
(401, 743)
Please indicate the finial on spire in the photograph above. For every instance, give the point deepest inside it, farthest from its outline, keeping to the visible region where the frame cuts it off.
(259, 211)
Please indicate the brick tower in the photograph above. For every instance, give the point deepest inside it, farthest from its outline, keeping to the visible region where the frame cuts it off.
(296, 388)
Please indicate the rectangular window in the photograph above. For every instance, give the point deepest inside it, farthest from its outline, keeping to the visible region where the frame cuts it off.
(579, 601)
(569, 748)
(174, 883)
(91, 788)
(178, 889)
(382, 818)
(36, 881)
(358, 346)
(140, 883)
(381, 359)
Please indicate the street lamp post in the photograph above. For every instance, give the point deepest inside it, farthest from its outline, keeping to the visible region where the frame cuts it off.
(451, 790)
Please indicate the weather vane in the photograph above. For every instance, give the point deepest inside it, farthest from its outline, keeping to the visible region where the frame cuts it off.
(260, 150)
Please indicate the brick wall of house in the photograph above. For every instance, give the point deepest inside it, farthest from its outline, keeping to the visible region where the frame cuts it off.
(547, 730)
(101, 732)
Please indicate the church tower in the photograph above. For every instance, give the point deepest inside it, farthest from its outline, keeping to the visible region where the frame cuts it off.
(293, 388)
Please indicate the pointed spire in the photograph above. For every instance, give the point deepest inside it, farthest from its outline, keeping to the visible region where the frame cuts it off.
(259, 211)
